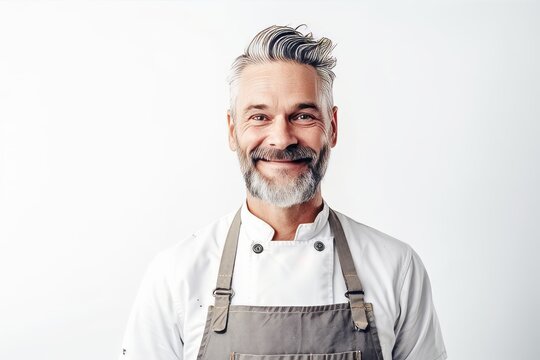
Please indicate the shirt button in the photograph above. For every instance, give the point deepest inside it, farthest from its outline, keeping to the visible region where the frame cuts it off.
(257, 248)
(319, 246)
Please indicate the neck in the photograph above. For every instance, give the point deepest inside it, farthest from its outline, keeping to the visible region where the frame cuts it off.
(285, 221)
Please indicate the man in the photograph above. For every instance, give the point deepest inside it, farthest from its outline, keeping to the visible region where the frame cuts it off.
(285, 277)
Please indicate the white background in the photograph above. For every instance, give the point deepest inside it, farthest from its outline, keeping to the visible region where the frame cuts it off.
(113, 147)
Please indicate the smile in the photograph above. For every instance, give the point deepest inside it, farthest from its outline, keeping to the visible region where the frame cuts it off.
(283, 164)
(286, 161)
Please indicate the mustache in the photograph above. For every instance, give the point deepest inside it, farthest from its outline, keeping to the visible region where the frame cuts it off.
(291, 153)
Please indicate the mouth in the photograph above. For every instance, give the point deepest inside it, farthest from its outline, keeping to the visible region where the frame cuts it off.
(286, 161)
(295, 165)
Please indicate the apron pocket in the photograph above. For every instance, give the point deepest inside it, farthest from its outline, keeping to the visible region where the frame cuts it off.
(349, 355)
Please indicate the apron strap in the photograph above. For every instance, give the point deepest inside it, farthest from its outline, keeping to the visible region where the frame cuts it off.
(355, 291)
(223, 291)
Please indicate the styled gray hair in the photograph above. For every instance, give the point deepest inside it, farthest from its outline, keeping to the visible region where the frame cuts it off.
(284, 43)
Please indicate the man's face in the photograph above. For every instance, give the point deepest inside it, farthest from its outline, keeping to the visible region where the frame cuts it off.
(282, 133)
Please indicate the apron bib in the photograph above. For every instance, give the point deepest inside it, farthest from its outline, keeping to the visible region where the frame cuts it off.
(343, 331)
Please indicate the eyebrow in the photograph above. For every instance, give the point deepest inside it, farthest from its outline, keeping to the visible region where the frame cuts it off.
(302, 106)
(256, 106)
(299, 106)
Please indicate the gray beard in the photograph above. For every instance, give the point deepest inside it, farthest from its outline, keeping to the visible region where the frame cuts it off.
(297, 191)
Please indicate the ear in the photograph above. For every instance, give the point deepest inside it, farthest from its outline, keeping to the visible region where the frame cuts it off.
(232, 136)
(334, 126)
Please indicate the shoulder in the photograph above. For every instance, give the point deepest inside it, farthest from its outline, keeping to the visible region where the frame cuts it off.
(384, 263)
(194, 251)
(375, 244)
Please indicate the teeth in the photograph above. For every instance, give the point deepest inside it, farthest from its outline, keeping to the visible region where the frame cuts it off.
(292, 160)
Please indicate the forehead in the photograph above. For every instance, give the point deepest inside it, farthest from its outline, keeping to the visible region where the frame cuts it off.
(277, 83)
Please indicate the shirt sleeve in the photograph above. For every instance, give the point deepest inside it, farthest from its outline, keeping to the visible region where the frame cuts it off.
(418, 333)
(153, 329)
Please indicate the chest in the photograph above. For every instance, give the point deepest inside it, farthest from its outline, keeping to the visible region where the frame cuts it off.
(285, 272)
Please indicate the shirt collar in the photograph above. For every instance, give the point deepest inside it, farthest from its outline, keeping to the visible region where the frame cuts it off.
(258, 230)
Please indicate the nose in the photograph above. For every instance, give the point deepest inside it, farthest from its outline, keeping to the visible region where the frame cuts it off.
(281, 134)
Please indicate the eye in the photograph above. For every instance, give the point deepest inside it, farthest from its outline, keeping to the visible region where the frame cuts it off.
(304, 116)
(258, 117)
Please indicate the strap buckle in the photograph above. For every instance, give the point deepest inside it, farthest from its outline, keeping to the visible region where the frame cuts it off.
(220, 292)
(354, 292)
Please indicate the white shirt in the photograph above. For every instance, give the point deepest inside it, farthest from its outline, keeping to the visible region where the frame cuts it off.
(168, 318)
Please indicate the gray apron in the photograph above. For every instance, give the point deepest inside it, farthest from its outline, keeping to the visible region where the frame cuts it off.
(326, 332)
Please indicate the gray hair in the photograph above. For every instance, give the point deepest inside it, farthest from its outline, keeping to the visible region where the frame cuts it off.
(284, 43)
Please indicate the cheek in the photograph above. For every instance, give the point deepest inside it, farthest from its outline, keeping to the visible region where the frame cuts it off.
(249, 138)
(316, 136)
